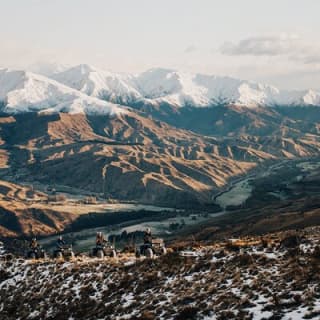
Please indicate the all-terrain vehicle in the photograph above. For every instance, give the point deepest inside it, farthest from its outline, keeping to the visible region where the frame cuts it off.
(36, 253)
(157, 247)
(64, 252)
(103, 250)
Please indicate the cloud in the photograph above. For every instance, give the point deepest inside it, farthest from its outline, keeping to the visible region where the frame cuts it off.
(309, 59)
(262, 46)
(190, 49)
(290, 46)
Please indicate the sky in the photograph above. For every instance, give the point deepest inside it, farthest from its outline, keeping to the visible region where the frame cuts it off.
(273, 41)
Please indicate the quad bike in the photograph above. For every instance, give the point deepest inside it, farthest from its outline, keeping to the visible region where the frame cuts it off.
(36, 253)
(157, 247)
(64, 252)
(103, 250)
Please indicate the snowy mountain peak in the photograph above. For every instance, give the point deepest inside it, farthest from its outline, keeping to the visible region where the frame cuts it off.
(85, 68)
(80, 70)
(22, 91)
(311, 98)
(84, 88)
(99, 83)
(47, 69)
(160, 85)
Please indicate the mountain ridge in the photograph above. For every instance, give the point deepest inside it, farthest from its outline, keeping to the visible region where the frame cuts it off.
(85, 89)
(23, 91)
(178, 89)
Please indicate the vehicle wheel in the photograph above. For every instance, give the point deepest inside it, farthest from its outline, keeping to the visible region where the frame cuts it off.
(32, 255)
(149, 253)
(113, 254)
(93, 253)
(100, 254)
(59, 255)
(163, 251)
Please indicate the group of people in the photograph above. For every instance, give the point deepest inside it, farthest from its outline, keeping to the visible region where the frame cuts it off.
(34, 245)
(100, 240)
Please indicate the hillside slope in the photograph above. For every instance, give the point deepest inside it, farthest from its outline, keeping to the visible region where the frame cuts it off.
(163, 164)
(269, 278)
(101, 154)
(18, 218)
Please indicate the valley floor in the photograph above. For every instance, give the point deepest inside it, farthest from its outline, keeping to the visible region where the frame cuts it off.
(268, 277)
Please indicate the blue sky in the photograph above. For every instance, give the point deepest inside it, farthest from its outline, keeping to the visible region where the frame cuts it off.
(275, 41)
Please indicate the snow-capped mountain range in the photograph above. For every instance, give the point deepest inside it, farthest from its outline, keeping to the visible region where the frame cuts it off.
(22, 91)
(84, 88)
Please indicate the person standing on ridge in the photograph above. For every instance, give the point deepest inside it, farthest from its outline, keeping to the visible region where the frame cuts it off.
(60, 243)
(100, 240)
(147, 238)
(33, 244)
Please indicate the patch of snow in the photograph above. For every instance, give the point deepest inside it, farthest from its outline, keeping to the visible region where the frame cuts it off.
(128, 299)
(34, 315)
(189, 253)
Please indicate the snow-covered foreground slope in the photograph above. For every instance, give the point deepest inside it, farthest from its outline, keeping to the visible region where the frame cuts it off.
(22, 91)
(262, 281)
(180, 89)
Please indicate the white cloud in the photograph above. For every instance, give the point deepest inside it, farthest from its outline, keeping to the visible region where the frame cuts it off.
(190, 49)
(289, 45)
(312, 59)
(263, 46)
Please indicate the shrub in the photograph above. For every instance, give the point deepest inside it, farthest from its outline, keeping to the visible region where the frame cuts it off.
(243, 259)
(4, 275)
(316, 253)
(232, 247)
(188, 313)
(147, 315)
(291, 241)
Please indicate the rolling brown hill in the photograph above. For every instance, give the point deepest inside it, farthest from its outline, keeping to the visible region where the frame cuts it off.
(131, 157)
(128, 157)
(17, 217)
(233, 120)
